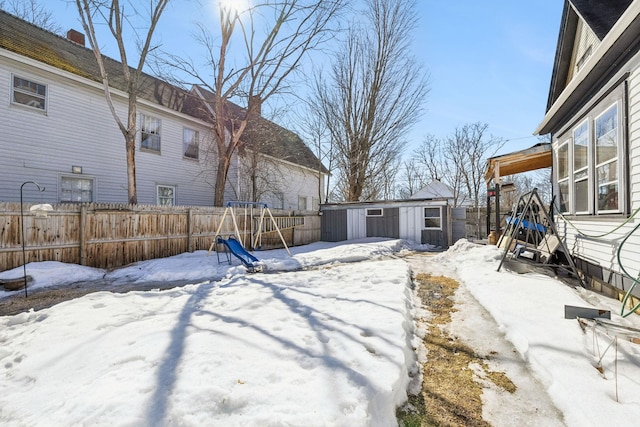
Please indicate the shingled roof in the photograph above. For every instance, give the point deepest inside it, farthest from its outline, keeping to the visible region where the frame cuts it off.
(601, 15)
(269, 138)
(23, 38)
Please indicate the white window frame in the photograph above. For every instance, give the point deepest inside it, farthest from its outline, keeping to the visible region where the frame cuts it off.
(188, 137)
(33, 103)
(375, 212)
(160, 198)
(617, 159)
(425, 217)
(566, 180)
(152, 126)
(614, 100)
(582, 174)
(83, 192)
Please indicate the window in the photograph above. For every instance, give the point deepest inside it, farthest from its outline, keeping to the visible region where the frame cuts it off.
(374, 212)
(432, 218)
(606, 136)
(589, 162)
(580, 167)
(190, 142)
(150, 133)
(302, 203)
(562, 162)
(29, 93)
(166, 195)
(76, 190)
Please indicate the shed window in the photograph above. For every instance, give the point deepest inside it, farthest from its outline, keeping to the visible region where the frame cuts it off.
(374, 212)
(29, 93)
(433, 218)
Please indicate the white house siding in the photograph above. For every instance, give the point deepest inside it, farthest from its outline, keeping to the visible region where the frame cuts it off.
(602, 251)
(586, 43)
(78, 130)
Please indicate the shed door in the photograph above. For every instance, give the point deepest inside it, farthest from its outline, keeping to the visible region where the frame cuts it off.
(387, 225)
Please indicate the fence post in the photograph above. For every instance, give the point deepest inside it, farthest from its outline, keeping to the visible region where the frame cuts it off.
(83, 235)
(189, 231)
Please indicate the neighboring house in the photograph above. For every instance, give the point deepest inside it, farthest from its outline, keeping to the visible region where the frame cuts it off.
(593, 116)
(56, 129)
(426, 218)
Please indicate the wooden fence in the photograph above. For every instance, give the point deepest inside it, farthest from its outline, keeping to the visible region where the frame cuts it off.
(113, 235)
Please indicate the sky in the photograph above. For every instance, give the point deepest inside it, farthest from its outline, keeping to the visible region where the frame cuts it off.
(329, 336)
(488, 62)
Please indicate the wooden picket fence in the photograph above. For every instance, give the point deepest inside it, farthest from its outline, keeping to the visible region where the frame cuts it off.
(113, 235)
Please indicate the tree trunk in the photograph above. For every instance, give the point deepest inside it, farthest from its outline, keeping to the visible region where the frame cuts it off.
(130, 143)
(221, 178)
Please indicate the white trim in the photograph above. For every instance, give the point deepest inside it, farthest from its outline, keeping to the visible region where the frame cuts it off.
(612, 36)
(374, 215)
(173, 187)
(424, 217)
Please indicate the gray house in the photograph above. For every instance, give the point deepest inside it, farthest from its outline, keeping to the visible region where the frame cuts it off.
(593, 116)
(56, 129)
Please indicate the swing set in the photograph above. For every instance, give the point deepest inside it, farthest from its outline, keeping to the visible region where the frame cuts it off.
(235, 243)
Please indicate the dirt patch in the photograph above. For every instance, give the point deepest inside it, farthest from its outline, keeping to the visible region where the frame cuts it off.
(451, 391)
(39, 299)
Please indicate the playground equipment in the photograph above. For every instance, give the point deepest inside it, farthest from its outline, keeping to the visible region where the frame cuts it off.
(234, 247)
(234, 243)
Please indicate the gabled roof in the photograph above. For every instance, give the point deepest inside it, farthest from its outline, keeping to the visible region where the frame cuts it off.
(620, 42)
(25, 39)
(268, 138)
(434, 190)
(600, 15)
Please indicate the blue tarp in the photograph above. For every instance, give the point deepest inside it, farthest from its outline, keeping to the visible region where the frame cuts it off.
(527, 224)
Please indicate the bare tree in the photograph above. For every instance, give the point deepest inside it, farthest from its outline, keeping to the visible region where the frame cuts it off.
(274, 37)
(117, 17)
(412, 178)
(434, 160)
(372, 95)
(31, 11)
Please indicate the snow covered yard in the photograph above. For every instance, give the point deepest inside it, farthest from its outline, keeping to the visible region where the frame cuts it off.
(325, 339)
(330, 346)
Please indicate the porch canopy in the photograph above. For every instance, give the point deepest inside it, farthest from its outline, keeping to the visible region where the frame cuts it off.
(533, 158)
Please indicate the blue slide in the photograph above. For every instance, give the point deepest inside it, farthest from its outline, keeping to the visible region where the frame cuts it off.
(233, 245)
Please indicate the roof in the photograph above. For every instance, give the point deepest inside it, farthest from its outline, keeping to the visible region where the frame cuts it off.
(25, 39)
(600, 15)
(536, 157)
(434, 190)
(618, 23)
(269, 138)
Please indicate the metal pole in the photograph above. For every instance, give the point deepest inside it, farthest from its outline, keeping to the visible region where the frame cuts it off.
(24, 257)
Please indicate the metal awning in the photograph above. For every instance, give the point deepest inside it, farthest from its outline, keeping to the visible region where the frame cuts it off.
(536, 157)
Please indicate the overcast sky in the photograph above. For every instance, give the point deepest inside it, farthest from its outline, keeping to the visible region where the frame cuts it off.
(489, 61)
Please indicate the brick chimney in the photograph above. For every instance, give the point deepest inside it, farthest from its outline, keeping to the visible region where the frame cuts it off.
(76, 37)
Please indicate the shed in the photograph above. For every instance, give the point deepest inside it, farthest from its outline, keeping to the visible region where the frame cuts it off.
(424, 221)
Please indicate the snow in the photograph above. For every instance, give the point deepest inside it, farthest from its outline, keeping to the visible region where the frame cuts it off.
(325, 337)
